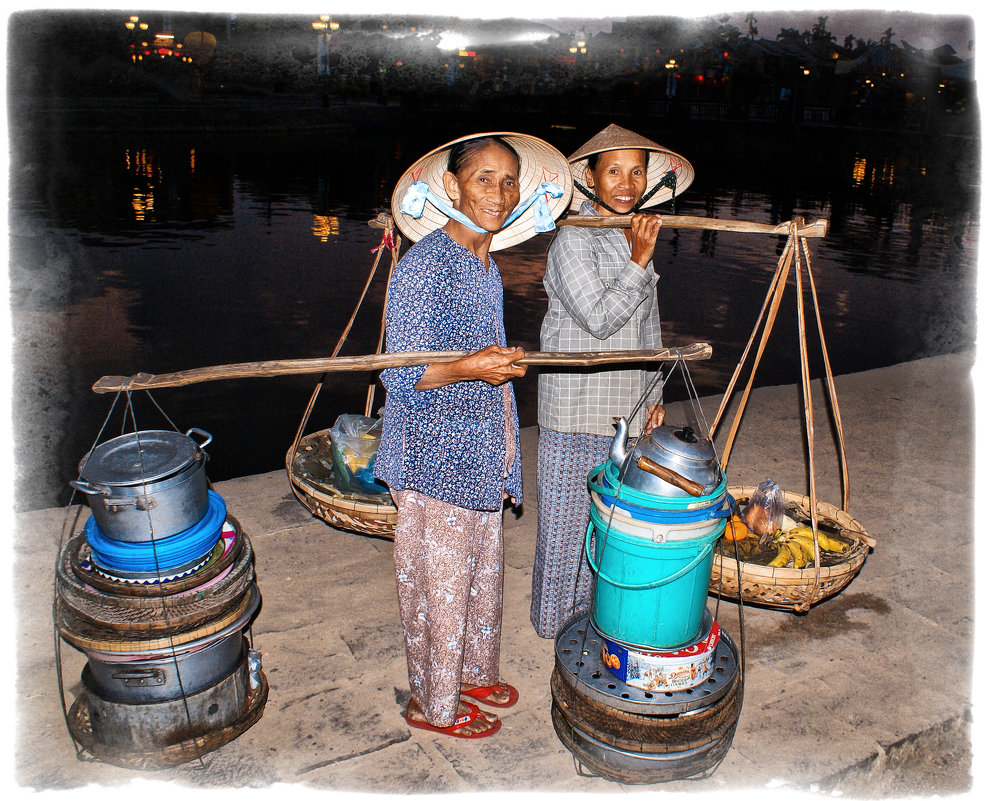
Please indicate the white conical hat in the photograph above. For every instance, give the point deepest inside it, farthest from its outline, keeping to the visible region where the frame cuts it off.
(539, 162)
(661, 161)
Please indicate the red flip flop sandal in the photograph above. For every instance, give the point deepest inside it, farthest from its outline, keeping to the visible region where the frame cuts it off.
(482, 694)
(460, 723)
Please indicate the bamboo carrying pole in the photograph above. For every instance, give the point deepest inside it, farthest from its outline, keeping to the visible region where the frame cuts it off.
(815, 228)
(222, 372)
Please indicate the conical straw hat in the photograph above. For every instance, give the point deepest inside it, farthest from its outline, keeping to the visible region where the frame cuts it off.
(661, 160)
(539, 162)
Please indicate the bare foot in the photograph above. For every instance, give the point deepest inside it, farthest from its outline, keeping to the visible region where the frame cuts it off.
(484, 721)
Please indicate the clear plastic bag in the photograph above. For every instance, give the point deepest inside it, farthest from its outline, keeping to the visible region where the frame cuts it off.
(764, 512)
(355, 441)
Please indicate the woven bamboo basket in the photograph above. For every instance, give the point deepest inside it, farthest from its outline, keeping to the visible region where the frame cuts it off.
(140, 616)
(788, 587)
(338, 510)
(86, 636)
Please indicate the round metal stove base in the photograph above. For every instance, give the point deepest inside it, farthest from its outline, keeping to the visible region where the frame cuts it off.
(578, 659)
(635, 767)
(166, 749)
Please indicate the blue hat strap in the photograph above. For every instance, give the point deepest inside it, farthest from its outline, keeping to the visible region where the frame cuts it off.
(420, 193)
(543, 220)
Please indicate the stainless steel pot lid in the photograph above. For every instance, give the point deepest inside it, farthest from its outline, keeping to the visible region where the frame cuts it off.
(684, 443)
(139, 457)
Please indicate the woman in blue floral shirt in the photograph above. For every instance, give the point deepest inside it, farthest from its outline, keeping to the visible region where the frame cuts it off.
(450, 451)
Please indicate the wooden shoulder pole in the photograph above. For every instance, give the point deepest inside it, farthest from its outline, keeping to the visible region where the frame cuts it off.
(815, 228)
(117, 383)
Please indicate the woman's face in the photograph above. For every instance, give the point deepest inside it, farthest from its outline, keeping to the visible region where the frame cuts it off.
(487, 188)
(619, 180)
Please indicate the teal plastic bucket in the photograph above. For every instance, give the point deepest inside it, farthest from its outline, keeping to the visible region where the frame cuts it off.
(649, 594)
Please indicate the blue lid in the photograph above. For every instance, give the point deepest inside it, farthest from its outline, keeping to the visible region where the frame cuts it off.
(161, 554)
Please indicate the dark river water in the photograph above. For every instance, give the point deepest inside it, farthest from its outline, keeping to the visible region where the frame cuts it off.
(157, 253)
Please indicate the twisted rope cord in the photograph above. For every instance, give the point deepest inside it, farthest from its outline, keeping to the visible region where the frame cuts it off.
(392, 244)
(829, 377)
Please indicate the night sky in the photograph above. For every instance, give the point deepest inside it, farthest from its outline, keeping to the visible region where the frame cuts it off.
(924, 25)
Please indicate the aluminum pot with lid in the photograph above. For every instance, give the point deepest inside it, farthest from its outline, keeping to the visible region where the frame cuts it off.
(146, 484)
(166, 677)
(669, 462)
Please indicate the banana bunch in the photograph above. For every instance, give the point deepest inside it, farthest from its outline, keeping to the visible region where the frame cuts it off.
(797, 544)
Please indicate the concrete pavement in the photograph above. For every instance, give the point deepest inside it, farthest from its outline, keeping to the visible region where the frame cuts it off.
(829, 696)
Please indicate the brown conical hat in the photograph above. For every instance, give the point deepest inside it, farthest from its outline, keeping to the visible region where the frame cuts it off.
(661, 161)
(539, 161)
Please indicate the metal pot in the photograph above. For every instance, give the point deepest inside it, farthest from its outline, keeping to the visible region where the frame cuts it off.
(193, 721)
(670, 462)
(147, 680)
(146, 484)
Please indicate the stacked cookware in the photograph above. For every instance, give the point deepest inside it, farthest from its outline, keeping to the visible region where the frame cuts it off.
(158, 591)
(647, 686)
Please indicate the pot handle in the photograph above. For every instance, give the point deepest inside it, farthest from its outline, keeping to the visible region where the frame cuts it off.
(86, 487)
(205, 434)
(668, 475)
(140, 677)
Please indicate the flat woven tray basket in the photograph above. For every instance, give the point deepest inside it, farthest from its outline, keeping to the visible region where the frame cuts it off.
(341, 511)
(788, 587)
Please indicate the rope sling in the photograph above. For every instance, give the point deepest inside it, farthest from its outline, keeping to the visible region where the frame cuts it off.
(367, 518)
(797, 255)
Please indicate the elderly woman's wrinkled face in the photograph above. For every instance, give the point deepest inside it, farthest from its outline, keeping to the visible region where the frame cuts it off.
(487, 188)
(619, 179)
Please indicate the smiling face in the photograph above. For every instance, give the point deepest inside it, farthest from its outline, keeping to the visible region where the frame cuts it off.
(618, 179)
(486, 188)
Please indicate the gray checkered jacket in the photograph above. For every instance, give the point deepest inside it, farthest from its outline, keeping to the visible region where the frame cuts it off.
(598, 300)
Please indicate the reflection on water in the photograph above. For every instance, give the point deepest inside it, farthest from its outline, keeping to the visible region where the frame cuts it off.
(142, 164)
(325, 226)
(162, 254)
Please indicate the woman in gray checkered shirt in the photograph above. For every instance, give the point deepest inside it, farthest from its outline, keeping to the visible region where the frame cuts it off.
(601, 289)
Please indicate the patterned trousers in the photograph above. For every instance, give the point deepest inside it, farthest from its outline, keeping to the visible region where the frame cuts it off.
(562, 580)
(449, 565)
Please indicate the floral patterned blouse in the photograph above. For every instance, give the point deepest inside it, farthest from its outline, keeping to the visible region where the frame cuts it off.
(448, 443)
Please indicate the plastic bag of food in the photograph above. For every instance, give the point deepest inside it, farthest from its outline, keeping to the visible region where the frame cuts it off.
(764, 512)
(355, 441)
